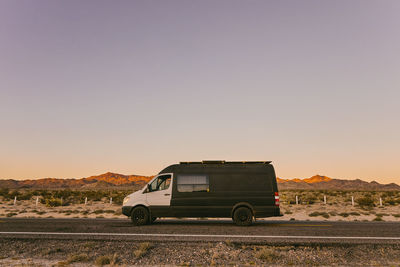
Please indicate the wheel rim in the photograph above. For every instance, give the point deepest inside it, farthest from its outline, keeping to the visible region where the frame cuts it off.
(243, 216)
(139, 215)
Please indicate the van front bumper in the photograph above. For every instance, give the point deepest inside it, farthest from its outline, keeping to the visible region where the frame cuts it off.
(127, 210)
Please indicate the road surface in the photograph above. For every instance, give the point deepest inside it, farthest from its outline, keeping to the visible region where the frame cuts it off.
(203, 231)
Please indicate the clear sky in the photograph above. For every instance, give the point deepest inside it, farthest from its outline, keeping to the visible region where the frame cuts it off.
(132, 86)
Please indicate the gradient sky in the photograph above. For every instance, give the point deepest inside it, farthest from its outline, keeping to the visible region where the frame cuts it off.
(88, 87)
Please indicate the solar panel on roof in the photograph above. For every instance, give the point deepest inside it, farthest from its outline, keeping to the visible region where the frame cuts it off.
(213, 161)
(224, 162)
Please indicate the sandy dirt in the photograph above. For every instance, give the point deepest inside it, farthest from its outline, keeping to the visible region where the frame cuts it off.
(30, 252)
(29, 209)
(302, 212)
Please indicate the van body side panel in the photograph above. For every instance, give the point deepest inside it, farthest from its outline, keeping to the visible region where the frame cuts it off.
(160, 211)
(228, 185)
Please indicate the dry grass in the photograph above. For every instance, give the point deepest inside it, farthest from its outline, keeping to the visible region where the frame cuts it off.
(107, 259)
(266, 254)
(229, 243)
(82, 257)
(142, 249)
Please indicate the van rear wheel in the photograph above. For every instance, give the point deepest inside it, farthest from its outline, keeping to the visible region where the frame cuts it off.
(243, 216)
(139, 216)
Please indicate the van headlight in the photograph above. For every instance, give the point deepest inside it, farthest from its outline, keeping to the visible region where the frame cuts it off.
(126, 199)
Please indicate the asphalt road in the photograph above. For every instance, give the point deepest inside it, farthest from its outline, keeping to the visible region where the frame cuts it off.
(203, 231)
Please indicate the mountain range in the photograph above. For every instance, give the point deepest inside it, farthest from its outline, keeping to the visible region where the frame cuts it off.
(105, 180)
(120, 181)
(320, 182)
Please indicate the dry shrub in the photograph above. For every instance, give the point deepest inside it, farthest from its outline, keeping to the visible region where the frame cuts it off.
(366, 201)
(266, 254)
(52, 202)
(142, 249)
(107, 259)
(77, 258)
(317, 213)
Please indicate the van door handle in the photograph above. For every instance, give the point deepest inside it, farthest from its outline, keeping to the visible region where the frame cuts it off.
(167, 194)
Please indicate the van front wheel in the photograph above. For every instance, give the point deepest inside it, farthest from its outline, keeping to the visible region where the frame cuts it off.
(243, 216)
(140, 216)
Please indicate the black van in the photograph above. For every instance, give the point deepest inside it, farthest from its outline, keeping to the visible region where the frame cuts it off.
(238, 190)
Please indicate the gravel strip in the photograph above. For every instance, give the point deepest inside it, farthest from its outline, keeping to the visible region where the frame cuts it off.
(31, 252)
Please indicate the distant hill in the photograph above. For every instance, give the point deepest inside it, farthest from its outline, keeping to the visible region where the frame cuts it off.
(105, 180)
(325, 183)
(120, 181)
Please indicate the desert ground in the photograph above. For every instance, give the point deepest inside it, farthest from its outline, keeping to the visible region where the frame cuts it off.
(302, 212)
(124, 253)
(310, 206)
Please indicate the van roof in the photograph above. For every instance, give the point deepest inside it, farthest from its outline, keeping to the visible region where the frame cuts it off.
(224, 162)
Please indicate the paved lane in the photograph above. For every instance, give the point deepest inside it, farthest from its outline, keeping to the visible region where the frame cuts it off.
(203, 230)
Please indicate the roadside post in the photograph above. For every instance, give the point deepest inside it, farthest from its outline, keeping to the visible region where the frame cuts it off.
(15, 200)
(324, 199)
(110, 200)
(352, 201)
(380, 201)
(37, 201)
(297, 200)
(85, 201)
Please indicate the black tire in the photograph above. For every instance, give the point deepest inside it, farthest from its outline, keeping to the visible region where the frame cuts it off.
(140, 216)
(243, 216)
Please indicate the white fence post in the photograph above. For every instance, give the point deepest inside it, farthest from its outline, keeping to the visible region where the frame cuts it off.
(324, 199)
(352, 200)
(15, 200)
(85, 200)
(110, 200)
(37, 201)
(297, 200)
(380, 201)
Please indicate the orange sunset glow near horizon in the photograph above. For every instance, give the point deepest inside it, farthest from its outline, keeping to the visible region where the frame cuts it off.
(132, 87)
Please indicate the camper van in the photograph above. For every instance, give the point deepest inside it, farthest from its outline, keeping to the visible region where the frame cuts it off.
(243, 191)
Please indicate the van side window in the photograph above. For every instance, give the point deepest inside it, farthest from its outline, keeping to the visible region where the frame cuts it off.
(161, 183)
(193, 183)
